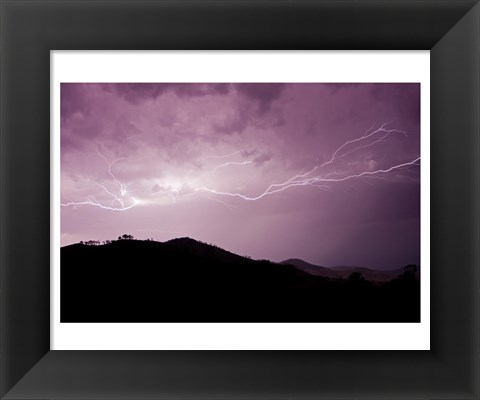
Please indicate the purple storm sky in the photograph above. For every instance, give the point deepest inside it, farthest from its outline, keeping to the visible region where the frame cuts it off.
(171, 160)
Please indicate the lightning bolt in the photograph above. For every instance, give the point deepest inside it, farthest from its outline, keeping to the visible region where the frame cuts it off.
(213, 171)
(226, 155)
(122, 187)
(338, 152)
(218, 167)
(94, 202)
(362, 138)
(324, 180)
(319, 176)
(115, 198)
(315, 181)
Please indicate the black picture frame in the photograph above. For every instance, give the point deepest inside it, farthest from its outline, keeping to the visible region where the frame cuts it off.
(450, 29)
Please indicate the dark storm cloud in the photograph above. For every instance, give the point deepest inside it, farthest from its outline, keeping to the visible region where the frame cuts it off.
(262, 159)
(234, 122)
(74, 99)
(264, 94)
(138, 92)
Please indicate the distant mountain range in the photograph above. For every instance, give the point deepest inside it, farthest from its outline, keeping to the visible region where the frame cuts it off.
(184, 280)
(343, 272)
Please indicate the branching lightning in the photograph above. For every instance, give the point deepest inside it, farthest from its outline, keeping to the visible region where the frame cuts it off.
(93, 202)
(321, 179)
(338, 168)
(360, 139)
(117, 200)
(225, 156)
(213, 171)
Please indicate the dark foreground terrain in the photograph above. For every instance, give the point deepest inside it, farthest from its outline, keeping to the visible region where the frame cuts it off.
(184, 280)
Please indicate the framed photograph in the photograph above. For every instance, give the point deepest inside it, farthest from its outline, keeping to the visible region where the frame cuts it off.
(190, 179)
(220, 181)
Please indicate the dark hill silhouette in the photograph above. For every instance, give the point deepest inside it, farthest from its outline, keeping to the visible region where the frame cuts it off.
(184, 280)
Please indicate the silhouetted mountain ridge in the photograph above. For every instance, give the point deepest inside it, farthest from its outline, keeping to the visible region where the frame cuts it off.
(343, 272)
(203, 249)
(311, 268)
(185, 280)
